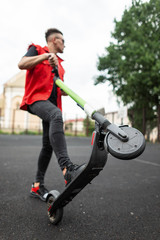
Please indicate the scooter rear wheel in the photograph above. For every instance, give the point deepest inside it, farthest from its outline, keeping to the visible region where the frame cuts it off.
(56, 216)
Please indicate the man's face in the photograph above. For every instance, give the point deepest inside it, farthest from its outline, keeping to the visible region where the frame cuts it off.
(59, 43)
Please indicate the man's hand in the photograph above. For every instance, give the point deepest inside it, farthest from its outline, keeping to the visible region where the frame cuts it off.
(52, 59)
(63, 93)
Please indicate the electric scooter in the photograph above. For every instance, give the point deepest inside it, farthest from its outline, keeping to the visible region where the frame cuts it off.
(122, 142)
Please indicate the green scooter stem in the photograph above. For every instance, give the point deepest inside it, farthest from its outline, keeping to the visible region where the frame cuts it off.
(72, 94)
(81, 102)
(92, 113)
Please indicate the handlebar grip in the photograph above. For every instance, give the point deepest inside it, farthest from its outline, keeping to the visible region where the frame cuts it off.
(55, 71)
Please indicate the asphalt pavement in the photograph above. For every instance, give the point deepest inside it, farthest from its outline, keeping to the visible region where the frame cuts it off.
(122, 203)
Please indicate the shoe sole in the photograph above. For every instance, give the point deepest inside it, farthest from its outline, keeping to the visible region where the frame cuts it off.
(32, 194)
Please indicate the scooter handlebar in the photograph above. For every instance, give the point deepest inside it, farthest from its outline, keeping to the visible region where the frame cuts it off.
(106, 125)
(55, 71)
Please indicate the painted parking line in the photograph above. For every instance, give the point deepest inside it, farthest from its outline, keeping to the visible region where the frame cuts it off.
(146, 162)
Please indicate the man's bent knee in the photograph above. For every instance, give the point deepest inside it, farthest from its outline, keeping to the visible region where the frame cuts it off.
(57, 116)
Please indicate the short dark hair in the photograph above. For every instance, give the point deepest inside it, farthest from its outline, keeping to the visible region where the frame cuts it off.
(51, 31)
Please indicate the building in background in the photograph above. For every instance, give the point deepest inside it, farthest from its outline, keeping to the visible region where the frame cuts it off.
(12, 119)
(119, 117)
(74, 126)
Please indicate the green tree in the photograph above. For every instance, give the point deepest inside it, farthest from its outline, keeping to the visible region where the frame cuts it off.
(89, 126)
(132, 62)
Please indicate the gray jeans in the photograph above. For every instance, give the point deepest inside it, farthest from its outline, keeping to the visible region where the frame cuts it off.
(53, 137)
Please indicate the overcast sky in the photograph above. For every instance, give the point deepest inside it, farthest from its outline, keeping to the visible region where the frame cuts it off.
(87, 27)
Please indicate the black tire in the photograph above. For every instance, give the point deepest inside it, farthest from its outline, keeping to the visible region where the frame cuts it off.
(125, 150)
(56, 216)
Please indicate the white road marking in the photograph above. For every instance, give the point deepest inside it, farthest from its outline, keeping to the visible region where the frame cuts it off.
(145, 162)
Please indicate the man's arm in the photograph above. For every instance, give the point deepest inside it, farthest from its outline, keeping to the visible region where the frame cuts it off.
(31, 62)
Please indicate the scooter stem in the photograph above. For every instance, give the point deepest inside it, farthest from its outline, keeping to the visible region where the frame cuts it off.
(90, 111)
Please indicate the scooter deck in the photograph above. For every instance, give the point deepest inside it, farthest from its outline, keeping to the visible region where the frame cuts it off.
(96, 163)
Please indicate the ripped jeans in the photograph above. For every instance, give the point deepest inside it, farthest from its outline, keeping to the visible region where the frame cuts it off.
(53, 137)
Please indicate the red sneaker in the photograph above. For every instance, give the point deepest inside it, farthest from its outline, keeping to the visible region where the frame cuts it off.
(39, 192)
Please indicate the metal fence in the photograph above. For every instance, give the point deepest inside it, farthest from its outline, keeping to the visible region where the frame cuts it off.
(18, 121)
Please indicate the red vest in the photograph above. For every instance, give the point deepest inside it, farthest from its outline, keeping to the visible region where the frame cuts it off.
(39, 81)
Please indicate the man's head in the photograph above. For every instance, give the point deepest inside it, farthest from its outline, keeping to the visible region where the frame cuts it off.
(54, 38)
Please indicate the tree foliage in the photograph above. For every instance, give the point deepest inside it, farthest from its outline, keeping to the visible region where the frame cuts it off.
(89, 126)
(132, 61)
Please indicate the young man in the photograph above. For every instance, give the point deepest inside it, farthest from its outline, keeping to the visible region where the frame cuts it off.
(43, 99)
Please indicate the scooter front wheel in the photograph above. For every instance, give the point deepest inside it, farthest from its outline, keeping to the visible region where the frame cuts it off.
(57, 215)
(125, 150)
